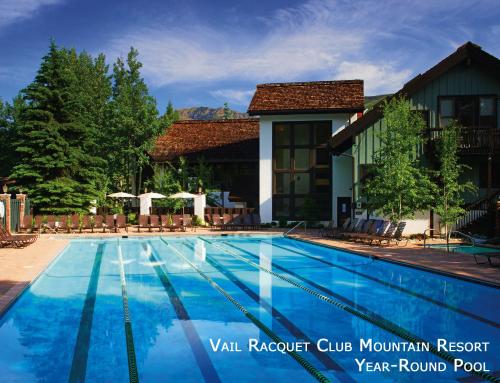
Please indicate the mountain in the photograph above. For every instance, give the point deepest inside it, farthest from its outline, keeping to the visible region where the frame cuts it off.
(372, 100)
(205, 113)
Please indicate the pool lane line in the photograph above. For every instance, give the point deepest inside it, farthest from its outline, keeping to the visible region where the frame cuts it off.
(381, 322)
(392, 286)
(317, 374)
(129, 337)
(323, 357)
(81, 353)
(203, 360)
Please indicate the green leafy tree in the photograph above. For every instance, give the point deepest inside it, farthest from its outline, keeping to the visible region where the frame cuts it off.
(170, 116)
(165, 180)
(448, 200)
(228, 113)
(134, 123)
(204, 175)
(56, 166)
(399, 186)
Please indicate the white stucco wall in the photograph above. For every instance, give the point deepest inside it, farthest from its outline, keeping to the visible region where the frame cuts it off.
(266, 156)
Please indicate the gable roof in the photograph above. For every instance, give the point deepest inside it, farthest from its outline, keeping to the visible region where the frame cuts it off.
(235, 140)
(308, 97)
(469, 51)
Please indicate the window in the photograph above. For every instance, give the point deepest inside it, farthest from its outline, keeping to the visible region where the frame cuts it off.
(301, 168)
(468, 111)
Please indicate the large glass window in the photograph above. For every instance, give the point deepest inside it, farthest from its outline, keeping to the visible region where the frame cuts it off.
(301, 169)
(469, 111)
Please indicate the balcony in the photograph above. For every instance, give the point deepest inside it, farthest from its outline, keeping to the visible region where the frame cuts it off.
(474, 140)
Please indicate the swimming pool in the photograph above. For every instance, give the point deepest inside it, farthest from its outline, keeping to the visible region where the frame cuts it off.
(161, 309)
(468, 249)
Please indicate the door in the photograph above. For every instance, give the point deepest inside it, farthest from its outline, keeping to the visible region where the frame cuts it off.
(343, 210)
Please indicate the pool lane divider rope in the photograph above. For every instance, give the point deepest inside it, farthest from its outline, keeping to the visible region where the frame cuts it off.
(317, 374)
(129, 337)
(379, 322)
(323, 357)
(390, 285)
(206, 366)
(80, 356)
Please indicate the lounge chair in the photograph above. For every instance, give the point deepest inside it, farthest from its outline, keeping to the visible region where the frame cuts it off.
(38, 223)
(378, 232)
(357, 228)
(62, 224)
(121, 222)
(246, 222)
(110, 223)
(338, 232)
(331, 230)
(51, 224)
(177, 223)
(373, 229)
(87, 223)
(187, 221)
(164, 222)
(75, 223)
(19, 240)
(393, 234)
(98, 223)
(216, 221)
(27, 224)
(256, 221)
(154, 223)
(143, 222)
(234, 223)
(489, 255)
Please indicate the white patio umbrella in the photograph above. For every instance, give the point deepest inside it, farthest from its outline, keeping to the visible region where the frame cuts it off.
(121, 195)
(182, 195)
(146, 201)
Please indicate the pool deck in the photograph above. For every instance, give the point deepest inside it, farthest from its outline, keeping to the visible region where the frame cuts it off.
(19, 267)
(455, 264)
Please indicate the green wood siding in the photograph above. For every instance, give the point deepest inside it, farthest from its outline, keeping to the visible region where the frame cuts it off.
(461, 80)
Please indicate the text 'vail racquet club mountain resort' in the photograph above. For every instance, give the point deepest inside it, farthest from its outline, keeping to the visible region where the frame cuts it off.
(323, 236)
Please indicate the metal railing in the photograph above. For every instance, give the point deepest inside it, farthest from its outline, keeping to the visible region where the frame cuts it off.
(293, 228)
(477, 209)
(429, 230)
(473, 242)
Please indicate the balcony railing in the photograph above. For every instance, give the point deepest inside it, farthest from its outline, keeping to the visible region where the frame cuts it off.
(474, 140)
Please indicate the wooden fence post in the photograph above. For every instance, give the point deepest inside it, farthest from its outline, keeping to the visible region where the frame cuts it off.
(6, 198)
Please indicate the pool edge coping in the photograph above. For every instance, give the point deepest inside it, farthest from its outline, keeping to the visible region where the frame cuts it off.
(402, 263)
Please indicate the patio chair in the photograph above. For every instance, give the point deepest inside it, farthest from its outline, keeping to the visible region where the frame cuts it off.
(164, 222)
(339, 232)
(110, 223)
(38, 226)
(18, 240)
(489, 255)
(373, 229)
(187, 221)
(62, 224)
(330, 229)
(154, 222)
(246, 222)
(98, 223)
(256, 221)
(27, 224)
(87, 223)
(75, 223)
(216, 221)
(51, 223)
(234, 222)
(357, 228)
(143, 222)
(177, 223)
(378, 232)
(121, 223)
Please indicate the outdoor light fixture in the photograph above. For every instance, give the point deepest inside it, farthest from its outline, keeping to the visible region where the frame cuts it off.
(5, 188)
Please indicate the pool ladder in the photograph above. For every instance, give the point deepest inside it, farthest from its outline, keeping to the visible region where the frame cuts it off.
(293, 228)
(471, 239)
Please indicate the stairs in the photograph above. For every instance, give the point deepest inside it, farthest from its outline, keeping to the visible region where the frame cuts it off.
(479, 217)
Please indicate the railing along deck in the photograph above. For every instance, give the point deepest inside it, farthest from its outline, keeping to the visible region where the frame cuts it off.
(474, 140)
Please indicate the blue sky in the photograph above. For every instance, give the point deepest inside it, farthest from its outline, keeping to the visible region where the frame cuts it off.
(209, 52)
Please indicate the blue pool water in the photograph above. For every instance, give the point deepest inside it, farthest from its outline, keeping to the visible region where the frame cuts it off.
(468, 249)
(147, 310)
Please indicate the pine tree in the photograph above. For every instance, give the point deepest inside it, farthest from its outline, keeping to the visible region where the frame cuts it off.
(9, 130)
(399, 186)
(228, 113)
(56, 167)
(134, 120)
(171, 115)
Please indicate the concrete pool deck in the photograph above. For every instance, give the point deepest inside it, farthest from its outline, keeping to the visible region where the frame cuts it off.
(19, 267)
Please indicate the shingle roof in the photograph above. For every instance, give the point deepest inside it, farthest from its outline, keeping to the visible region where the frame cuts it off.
(308, 97)
(235, 140)
(468, 51)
